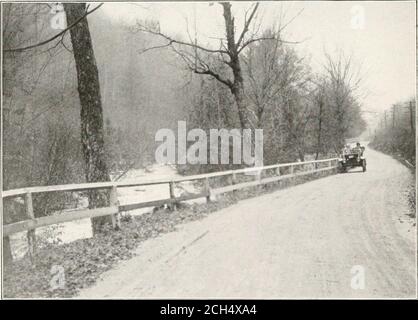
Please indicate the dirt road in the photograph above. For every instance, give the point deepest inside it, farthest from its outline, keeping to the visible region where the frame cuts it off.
(301, 242)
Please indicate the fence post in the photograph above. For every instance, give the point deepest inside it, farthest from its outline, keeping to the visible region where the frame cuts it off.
(172, 205)
(259, 177)
(291, 179)
(234, 181)
(30, 233)
(278, 173)
(114, 203)
(207, 190)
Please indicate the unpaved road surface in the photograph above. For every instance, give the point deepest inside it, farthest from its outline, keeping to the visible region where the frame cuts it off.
(301, 242)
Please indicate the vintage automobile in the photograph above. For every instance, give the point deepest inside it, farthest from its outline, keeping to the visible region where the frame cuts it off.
(351, 158)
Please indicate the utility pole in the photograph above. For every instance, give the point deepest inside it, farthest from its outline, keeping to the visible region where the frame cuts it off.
(411, 116)
(393, 116)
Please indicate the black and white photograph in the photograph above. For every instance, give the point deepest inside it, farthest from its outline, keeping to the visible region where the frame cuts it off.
(208, 150)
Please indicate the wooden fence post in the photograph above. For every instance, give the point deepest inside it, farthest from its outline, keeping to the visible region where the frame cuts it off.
(31, 233)
(234, 181)
(291, 172)
(172, 205)
(278, 173)
(259, 177)
(114, 203)
(207, 190)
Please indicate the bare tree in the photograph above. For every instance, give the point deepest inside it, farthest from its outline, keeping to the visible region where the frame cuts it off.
(278, 88)
(92, 133)
(297, 114)
(343, 79)
(319, 100)
(198, 58)
(24, 98)
(270, 68)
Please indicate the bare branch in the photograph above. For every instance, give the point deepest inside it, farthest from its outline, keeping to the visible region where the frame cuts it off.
(156, 47)
(247, 24)
(171, 40)
(55, 36)
(226, 82)
(291, 20)
(200, 68)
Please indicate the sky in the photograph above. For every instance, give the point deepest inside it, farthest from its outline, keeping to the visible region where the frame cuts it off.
(380, 36)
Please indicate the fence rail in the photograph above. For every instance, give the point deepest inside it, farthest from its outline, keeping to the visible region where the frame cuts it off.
(32, 223)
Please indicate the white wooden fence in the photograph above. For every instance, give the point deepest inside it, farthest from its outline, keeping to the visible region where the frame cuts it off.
(31, 223)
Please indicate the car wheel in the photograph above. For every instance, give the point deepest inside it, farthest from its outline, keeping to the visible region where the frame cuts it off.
(364, 165)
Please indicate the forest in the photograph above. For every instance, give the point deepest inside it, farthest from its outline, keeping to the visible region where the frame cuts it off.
(84, 104)
(395, 133)
(301, 113)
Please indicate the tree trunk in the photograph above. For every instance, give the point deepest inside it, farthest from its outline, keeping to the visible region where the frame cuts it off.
(318, 147)
(91, 110)
(237, 88)
(243, 112)
(301, 155)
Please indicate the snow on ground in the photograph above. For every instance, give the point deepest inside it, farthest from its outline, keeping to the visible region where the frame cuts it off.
(154, 192)
(81, 229)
